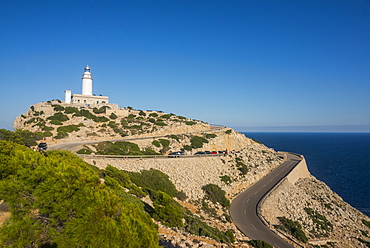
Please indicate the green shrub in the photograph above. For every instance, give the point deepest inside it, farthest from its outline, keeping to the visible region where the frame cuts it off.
(187, 148)
(47, 134)
(166, 116)
(156, 143)
(68, 129)
(60, 202)
(210, 135)
(259, 244)
(153, 114)
(292, 227)
(197, 142)
(56, 122)
(160, 123)
(21, 136)
(164, 142)
(59, 117)
(226, 179)
(61, 135)
(320, 220)
(215, 194)
(58, 108)
(45, 128)
(101, 110)
(84, 151)
(113, 116)
(190, 123)
(142, 113)
(71, 110)
(152, 120)
(228, 131)
(175, 137)
(366, 222)
(118, 148)
(159, 181)
(167, 210)
(197, 227)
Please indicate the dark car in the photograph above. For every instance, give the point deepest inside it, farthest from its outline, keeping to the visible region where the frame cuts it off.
(207, 152)
(199, 153)
(175, 154)
(43, 146)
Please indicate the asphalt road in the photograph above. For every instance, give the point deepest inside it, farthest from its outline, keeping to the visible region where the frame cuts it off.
(243, 209)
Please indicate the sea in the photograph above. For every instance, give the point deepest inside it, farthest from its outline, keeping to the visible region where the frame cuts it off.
(341, 160)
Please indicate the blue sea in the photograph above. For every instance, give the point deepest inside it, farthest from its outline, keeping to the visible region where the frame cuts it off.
(341, 160)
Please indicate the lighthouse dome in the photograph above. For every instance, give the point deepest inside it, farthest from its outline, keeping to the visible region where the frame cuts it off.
(87, 68)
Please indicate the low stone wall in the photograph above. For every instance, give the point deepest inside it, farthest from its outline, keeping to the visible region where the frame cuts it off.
(299, 171)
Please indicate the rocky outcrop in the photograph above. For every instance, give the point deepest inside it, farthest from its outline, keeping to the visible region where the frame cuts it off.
(325, 218)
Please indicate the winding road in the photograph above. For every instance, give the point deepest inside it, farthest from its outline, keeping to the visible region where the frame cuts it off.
(243, 209)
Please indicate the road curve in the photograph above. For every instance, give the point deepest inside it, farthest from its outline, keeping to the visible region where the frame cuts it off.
(243, 209)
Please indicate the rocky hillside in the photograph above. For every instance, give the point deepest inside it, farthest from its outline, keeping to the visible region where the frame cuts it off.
(306, 210)
(61, 122)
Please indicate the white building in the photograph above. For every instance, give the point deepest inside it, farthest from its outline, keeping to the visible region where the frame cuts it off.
(87, 97)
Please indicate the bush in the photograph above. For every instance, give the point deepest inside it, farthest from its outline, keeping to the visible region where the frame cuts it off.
(320, 220)
(159, 181)
(215, 194)
(61, 135)
(153, 114)
(190, 123)
(197, 142)
(21, 136)
(175, 137)
(45, 128)
(160, 123)
(228, 131)
(58, 108)
(197, 227)
(59, 117)
(56, 122)
(142, 113)
(118, 148)
(164, 142)
(156, 143)
(68, 129)
(366, 223)
(259, 244)
(211, 135)
(187, 148)
(167, 210)
(71, 110)
(101, 110)
(47, 134)
(226, 179)
(292, 227)
(113, 116)
(84, 151)
(60, 202)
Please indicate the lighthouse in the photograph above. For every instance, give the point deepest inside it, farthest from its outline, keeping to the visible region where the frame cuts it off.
(87, 82)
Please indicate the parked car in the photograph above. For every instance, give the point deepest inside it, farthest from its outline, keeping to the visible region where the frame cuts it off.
(43, 146)
(213, 152)
(199, 153)
(175, 154)
(222, 152)
(207, 152)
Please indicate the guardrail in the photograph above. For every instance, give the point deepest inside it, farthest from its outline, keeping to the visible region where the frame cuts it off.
(148, 156)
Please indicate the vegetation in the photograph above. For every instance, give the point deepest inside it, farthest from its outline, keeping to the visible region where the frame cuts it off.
(197, 227)
(259, 244)
(58, 117)
(210, 135)
(228, 131)
(241, 166)
(58, 108)
(320, 220)
(366, 223)
(71, 110)
(113, 116)
(21, 137)
(197, 142)
(59, 201)
(293, 228)
(215, 194)
(226, 179)
(121, 148)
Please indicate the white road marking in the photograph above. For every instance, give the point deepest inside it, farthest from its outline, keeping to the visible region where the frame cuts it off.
(254, 226)
(271, 180)
(248, 200)
(245, 211)
(276, 246)
(264, 186)
(256, 192)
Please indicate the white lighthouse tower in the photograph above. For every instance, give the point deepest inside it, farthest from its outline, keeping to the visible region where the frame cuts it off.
(87, 82)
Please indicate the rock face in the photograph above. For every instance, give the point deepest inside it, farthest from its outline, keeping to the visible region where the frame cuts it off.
(325, 218)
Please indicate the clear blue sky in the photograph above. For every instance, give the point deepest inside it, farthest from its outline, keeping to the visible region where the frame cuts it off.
(251, 65)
